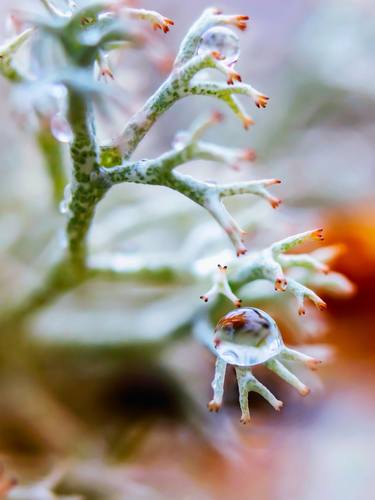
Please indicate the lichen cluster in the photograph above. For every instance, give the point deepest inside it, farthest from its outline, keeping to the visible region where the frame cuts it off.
(83, 36)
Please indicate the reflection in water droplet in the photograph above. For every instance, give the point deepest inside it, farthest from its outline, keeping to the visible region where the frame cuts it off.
(60, 128)
(222, 40)
(247, 337)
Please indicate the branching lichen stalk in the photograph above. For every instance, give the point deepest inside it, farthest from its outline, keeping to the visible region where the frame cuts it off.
(85, 37)
(87, 186)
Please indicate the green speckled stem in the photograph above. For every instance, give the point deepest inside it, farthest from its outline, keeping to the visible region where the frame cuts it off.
(177, 86)
(88, 185)
(160, 172)
(136, 129)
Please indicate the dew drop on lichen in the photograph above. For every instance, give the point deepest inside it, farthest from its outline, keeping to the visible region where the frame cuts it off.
(222, 40)
(60, 128)
(247, 337)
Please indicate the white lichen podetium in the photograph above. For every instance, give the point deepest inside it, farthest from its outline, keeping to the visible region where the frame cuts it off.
(270, 264)
(245, 338)
(158, 21)
(189, 145)
(221, 286)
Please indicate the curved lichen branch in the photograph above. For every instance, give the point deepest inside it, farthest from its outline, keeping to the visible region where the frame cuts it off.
(268, 264)
(221, 154)
(221, 286)
(291, 242)
(254, 187)
(222, 91)
(213, 203)
(200, 126)
(247, 382)
(160, 171)
(158, 21)
(303, 260)
(208, 151)
(179, 84)
(112, 8)
(301, 293)
(188, 146)
(304, 271)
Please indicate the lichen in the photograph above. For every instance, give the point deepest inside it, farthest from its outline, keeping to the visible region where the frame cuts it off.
(85, 37)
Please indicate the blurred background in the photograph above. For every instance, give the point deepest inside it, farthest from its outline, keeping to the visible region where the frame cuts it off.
(107, 389)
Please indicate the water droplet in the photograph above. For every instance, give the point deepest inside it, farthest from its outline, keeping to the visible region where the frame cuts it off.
(60, 128)
(222, 40)
(247, 337)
